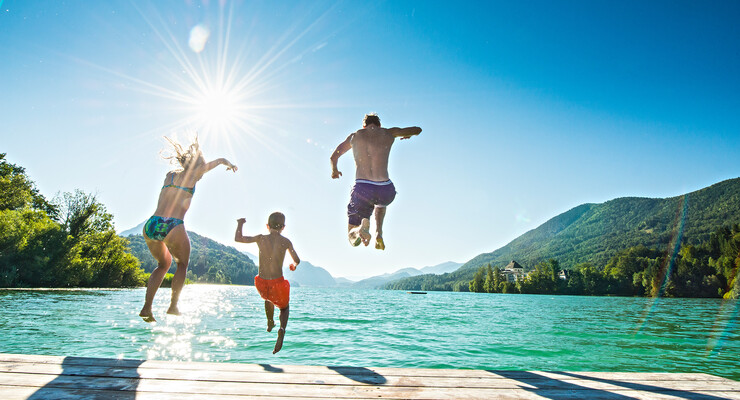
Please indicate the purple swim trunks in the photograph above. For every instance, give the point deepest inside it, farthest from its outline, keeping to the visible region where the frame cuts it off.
(365, 196)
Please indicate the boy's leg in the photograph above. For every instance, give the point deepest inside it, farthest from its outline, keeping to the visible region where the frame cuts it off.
(269, 313)
(284, 312)
(379, 217)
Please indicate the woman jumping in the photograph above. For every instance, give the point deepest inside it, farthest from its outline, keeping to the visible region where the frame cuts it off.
(164, 232)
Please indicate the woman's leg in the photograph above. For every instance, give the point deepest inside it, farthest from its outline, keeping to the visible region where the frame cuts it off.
(178, 243)
(164, 260)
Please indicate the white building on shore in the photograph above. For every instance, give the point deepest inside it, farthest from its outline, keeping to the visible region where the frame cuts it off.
(513, 272)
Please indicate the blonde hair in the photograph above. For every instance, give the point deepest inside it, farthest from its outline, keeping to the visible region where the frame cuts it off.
(182, 156)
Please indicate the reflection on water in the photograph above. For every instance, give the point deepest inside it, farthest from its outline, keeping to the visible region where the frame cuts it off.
(339, 327)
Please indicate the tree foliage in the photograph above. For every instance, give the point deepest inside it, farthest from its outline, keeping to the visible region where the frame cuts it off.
(706, 269)
(65, 243)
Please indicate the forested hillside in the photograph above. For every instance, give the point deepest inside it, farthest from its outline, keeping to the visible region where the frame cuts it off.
(210, 261)
(596, 233)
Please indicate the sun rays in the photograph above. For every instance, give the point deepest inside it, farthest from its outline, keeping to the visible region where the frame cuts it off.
(201, 80)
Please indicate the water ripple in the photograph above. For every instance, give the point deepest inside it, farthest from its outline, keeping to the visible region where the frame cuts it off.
(383, 328)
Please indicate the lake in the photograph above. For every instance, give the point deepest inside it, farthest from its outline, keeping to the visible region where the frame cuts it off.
(373, 328)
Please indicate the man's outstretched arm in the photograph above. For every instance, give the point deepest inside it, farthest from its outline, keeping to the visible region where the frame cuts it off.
(405, 133)
(341, 149)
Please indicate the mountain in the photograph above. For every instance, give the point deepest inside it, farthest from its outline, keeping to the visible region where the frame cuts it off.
(210, 261)
(133, 231)
(380, 280)
(310, 275)
(594, 233)
(343, 282)
(439, 269)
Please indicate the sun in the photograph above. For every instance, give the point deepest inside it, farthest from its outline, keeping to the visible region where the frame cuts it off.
(217, 87)
(217, 108)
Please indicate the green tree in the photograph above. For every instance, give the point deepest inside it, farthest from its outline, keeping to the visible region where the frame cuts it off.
(476, 285)
(29, 240)
(497, 280)
(95, 255)
(489, 285)
(18, 191)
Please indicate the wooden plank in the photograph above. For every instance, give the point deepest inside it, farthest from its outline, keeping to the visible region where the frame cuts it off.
(26, 392)
(532, 381)
(29, 376)
(327, 391)
(303, 369)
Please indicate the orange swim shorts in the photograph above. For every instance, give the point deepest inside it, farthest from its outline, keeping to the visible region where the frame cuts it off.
(276, 291)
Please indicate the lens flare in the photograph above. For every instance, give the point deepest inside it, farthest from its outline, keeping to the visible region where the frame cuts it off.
(670, 261)
(198, 38)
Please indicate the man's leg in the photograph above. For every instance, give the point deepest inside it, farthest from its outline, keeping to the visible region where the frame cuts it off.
(269, 313)
(379, 217)
(359, 233)
(284, 312)
(359, 210)
(353, 234)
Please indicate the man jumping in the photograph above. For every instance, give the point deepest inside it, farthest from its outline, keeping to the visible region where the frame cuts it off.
(373, 190)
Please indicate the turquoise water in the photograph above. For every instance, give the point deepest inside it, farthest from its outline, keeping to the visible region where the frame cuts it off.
(383, 328)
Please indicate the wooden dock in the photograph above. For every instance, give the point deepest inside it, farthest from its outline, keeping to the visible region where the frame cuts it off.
(52, 377)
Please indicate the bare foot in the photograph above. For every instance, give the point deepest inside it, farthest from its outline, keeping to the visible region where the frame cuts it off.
(379, 244)
(354, 238)
(147, 315)
(173, 310)
(364, 231)
(279, 342)
(270, 325)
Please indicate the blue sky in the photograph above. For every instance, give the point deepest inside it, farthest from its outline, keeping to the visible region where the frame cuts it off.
(528, 109)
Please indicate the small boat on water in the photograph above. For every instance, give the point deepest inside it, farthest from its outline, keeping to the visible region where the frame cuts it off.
(416, 292)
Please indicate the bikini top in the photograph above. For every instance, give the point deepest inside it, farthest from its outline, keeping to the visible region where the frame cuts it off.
(172, 184)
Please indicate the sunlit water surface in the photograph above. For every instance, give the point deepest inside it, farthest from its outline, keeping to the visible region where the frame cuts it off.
(371, 328)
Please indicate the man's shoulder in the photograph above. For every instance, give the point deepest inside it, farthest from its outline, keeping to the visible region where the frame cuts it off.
(372, 133)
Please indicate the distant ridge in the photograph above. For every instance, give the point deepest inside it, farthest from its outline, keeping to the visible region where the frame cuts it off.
(308, 274)
(596, 232)
(376, 282)
(137, 230)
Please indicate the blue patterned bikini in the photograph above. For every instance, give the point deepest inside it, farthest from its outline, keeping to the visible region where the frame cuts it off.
(157, 227)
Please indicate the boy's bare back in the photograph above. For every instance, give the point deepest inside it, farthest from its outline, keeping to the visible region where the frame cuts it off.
(272, 254)
(272, 250)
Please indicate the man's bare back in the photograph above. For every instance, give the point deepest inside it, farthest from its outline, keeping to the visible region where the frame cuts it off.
(371, 147)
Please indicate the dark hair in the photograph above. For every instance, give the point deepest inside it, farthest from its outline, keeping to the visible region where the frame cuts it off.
(276, 220)
(371, 118)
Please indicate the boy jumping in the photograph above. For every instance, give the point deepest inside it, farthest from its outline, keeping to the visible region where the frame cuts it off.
(270, 282)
